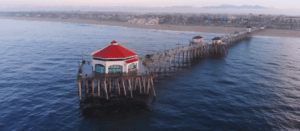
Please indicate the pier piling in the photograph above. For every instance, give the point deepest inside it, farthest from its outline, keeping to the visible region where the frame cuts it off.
(99, 88)
(153, 87)
(93, 87)
(105, 88)
(79, 90)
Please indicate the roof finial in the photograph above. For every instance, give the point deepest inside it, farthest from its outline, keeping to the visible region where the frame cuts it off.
(114, 43)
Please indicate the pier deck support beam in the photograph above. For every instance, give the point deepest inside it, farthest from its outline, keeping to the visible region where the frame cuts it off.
(153, 65)
(136, 84)
(159, 65)
(130, 88)
(86, 86)
(93, 87)
(109, 85)
(170, 61)
(144, 84)
(148, 89)
(118, 82)
(99, 88)
(187, 56)
(124, 87)
(154, 94)
(200, 53)
(140, 85)
(183, 57)
(179, 59)
(79, 90)
(174, 60)
(132, 84)
(165, 64)
(105, 88)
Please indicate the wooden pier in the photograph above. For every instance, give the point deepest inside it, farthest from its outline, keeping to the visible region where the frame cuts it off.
(115, 84)
(180, 55)
(127, 84)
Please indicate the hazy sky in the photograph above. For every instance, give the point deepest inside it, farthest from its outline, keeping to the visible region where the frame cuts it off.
(198, 3)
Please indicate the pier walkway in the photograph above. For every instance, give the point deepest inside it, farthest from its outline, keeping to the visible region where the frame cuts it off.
(193, 50)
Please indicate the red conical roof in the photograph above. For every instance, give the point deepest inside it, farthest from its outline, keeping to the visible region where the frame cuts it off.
(114, 51)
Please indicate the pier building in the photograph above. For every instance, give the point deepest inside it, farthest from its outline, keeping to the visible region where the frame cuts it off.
(249, 29)
(197, 39)
(114, 58)
(217, 40)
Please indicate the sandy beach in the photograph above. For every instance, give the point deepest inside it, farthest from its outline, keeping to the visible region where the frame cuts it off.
(205, 29)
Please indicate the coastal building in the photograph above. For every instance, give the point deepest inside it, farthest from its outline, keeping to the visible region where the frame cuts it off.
(114, 59)
(249, 29)
(197, 39)
(217, 40)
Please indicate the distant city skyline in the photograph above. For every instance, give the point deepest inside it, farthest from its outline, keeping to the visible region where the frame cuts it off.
(281, 4)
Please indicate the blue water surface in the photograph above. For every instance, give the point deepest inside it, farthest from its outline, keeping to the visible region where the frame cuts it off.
(255, 87)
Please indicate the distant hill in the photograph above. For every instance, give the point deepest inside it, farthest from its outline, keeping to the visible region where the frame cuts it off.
(235, 7)
(180, 7)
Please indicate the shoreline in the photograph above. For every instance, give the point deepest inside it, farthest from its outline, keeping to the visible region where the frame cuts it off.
(202, 29)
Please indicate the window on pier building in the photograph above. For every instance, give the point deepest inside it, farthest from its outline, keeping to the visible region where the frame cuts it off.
(115, 68)
(132, 66)
(99, 68)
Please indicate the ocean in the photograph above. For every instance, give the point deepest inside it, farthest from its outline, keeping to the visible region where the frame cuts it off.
(256, 86)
